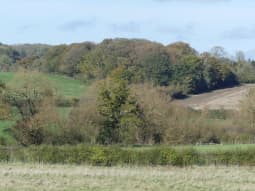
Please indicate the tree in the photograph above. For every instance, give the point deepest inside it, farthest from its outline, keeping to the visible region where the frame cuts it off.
(111, 97)
(240, 57)
(218, 73)
(144, 59)
(5, 110)
(189, 74)
(121, 113)
(27, 91)
(31, 94)
(84, 121)
(179, 50)
(218, 52)
(154, 64)
(245, 118)
(155, 105)
(8, 57)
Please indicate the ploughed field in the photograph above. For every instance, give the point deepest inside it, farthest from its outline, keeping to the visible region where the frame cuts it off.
(38, 177)
(228, 98)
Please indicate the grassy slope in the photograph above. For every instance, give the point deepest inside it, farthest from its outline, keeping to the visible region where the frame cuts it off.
(66, 86)
(4, 131)
(34, 177)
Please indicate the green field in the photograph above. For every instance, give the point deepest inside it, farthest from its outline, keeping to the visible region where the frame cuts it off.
(38, 177)
(4, 131)
(65, 86)
(203, 148)
(214, 148)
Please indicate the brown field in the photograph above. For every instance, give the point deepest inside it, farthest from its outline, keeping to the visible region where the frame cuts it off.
(34, 177)
(228, 98)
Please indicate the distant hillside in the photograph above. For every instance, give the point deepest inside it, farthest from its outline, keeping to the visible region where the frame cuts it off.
(28, 50)
(178, 64)
(8, 57)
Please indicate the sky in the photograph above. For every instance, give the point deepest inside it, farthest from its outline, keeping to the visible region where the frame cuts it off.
(202, 23)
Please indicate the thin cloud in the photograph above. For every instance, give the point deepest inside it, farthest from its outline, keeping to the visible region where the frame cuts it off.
(130, 27)
(180, 32)
(195, 1)
(27, 27)
(240, 33)
(76, 25)
(250, 54)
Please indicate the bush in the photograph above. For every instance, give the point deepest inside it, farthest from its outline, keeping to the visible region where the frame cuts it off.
(5, 111)
(169, 156)
(66, 102)
(84, 120)
(104, 156)
(190, 157)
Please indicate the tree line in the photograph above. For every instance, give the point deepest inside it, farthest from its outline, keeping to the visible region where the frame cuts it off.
(177, 64)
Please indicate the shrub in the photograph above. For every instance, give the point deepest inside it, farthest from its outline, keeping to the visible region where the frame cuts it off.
(66, 102)
(190, 157)
(169, 156)
(104, 156)
(84, 120)
(5, 111)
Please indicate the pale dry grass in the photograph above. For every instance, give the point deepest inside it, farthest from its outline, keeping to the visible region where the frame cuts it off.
(28, 177)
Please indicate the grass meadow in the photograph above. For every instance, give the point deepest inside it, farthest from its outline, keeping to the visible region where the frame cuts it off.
(39, 177)
(208, 148)
(66, 86)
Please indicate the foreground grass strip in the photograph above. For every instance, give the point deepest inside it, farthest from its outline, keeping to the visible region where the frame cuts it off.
(35, 177)
(114, 155)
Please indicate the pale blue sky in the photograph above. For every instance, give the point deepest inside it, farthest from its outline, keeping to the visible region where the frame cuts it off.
(202, 23)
